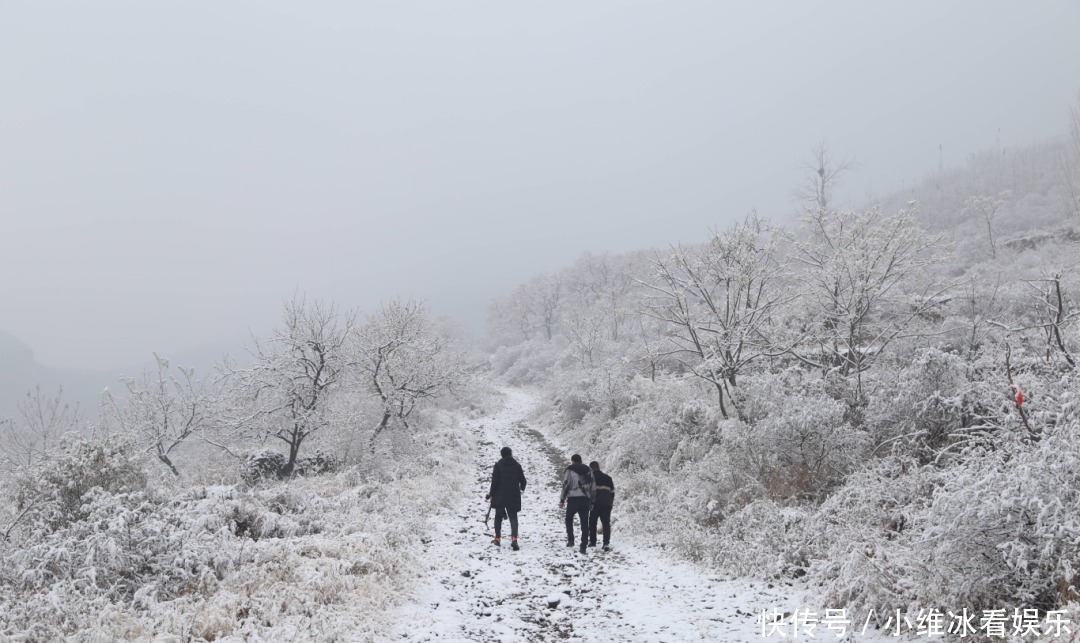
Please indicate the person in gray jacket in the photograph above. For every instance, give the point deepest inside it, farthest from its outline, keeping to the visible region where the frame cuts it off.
(577, 495)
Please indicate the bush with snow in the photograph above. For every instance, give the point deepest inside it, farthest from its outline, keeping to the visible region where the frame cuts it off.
(273, 465)
(104, 551)
(52, 492)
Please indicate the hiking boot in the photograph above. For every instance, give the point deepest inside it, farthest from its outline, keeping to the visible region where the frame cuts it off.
(569, 542)
(582, 550)
(514, 545)
(497, 542)
(592, 543)
(606, 546)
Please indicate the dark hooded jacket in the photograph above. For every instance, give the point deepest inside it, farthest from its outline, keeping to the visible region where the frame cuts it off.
(507, 483)
(604, 491)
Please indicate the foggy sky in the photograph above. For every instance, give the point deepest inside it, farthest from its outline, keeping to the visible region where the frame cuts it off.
(169, 172)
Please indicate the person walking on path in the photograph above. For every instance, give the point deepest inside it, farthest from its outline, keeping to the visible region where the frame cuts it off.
(603, 499)
(577, 495)
(507, 483)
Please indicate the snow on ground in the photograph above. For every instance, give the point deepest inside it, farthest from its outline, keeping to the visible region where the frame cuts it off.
(547, 591)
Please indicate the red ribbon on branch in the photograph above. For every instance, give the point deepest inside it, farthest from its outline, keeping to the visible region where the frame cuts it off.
(1019, 395)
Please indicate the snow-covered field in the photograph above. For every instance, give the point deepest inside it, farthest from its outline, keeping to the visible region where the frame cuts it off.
(402, 553)
(476, 591)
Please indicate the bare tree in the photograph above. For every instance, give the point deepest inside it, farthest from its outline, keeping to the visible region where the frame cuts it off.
(584, 328)
(513, 316)
(605, 284)
(546, 293)
(651, 344)
(533, 307)
(36, 431)
(1053, 314)
(164, 410)
(1056, 311)
(865, 278)
(719, 300)
(284, 393)
(988, 208)
(1069, 159)
(403, 360)
(980, 313)
(823, 174)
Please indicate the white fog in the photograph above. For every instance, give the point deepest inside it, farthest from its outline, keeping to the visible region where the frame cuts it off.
(282, 280)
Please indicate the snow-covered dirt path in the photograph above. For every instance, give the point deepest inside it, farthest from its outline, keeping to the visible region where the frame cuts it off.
(546, 592)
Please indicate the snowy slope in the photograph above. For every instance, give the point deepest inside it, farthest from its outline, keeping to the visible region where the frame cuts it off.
(479, 592)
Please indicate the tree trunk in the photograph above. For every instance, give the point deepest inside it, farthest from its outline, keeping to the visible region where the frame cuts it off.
(165, 459)
(720, 396)
(382, 425)
(290, 466)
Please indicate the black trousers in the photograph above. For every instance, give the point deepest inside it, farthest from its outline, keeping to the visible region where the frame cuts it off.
(603, 514)
(503, 512)
(579, 506)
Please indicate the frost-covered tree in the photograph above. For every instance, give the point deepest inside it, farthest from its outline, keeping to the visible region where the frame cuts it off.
(533, 309)
(719, 300)
(976, 311)
(866, 281)
(284, 393)
(510, 319)
(823, 173)
(988, 208)
(163, 409)
(36, 431)
(1052, 314)
(1059, 314)
(403, 359)
(545, 293)
(583, 327)
(606, 285)
(650, 345)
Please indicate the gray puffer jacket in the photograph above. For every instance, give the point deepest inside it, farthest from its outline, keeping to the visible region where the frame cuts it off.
(577, 482)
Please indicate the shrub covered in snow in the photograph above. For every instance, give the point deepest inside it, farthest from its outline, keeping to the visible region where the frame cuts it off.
(52, 492)
(102, 551)
(273, 465)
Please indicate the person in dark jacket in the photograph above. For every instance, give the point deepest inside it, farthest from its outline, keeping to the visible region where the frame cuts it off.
(507, 483)
(603, 499)
(577, 495)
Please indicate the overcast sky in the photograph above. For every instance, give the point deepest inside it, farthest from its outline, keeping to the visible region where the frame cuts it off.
(169, 172)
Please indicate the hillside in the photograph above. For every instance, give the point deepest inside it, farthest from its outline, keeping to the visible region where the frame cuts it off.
(20, 374)
(843, 398)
